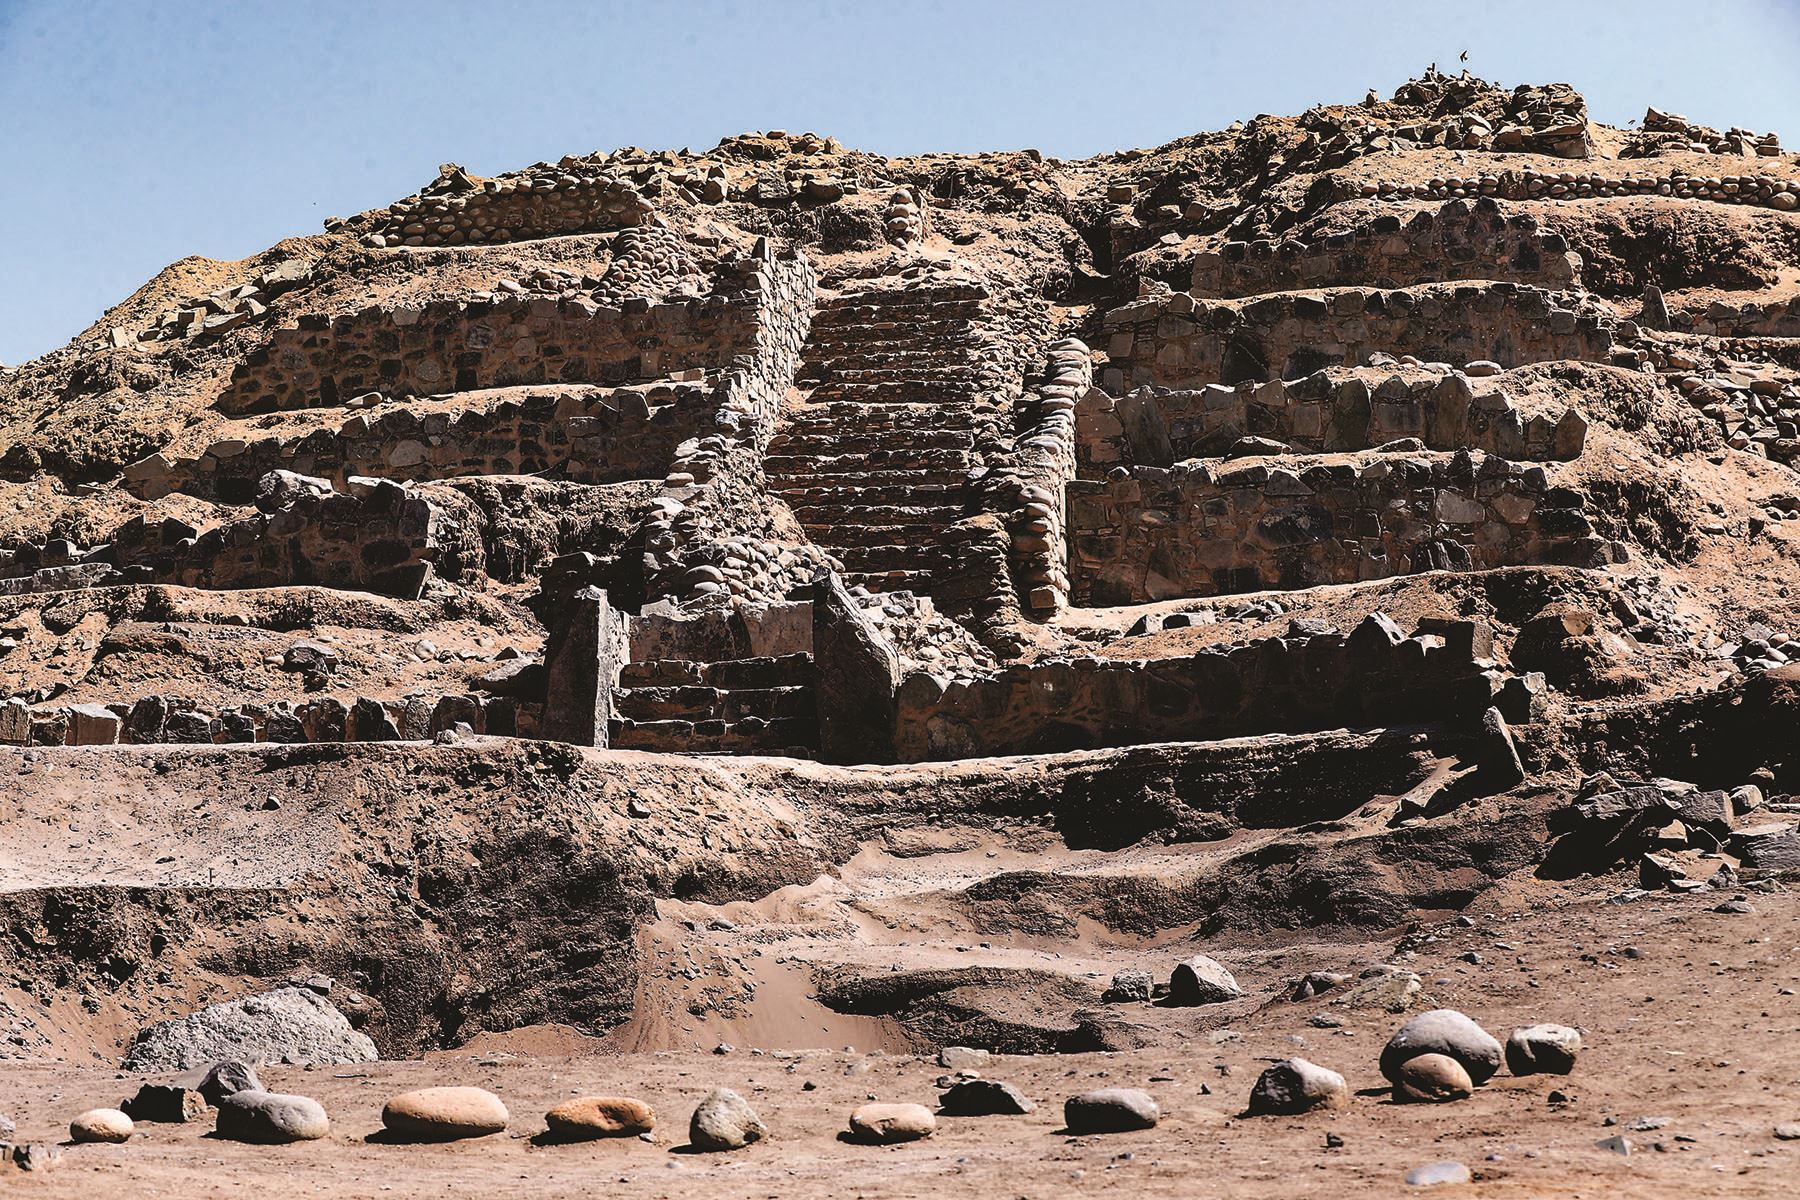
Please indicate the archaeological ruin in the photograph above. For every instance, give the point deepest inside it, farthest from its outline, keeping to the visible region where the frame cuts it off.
(528, 603)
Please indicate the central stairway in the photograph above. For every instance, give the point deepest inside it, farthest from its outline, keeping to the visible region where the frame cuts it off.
(875, 463)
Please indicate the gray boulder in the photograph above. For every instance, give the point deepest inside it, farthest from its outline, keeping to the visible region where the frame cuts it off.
(1443, 1031)
(291, 1025)
(1542, 1050)
(1295, 1085)
(220, 1080)
(1201, 980)
(984, 1098)
(271, 1118)
(1111, 1110)
(1128, 985)
(724, 1120)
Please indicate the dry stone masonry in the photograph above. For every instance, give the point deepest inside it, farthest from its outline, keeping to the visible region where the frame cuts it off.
(1201, 528)
(787, 449)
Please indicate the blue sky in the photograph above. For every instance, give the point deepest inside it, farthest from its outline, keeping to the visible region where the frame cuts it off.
(135, 134)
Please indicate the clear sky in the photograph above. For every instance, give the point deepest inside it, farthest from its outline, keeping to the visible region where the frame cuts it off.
(134, 134)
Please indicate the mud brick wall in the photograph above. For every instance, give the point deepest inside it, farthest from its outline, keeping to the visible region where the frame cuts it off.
(1178, 341)
(1199, 529)
(460, 346)
(1461, 240)
(1373, 676)
(586, 435)
(384, 538)
(1326, 412)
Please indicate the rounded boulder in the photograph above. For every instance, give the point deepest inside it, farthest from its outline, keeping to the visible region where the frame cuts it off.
(1542, 1050)
(1295, 1085)
(724, 1120)
(444, 1114)
(100, 1125)
(885, 1123)
(1443, 1031)
(271, 1118)
(1111, 1110)
(1432, 1079)
(599, 1117)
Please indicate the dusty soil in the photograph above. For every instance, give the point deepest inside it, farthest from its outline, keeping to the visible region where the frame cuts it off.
(1689, 1018)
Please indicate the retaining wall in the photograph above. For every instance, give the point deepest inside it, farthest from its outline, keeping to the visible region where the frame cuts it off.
(1178, 341)
(1201, 529)
(1373, 676)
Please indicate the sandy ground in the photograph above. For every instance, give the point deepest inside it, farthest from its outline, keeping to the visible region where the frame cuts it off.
(1690, 1017)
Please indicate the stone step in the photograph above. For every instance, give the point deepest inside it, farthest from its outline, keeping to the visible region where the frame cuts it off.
(889, 581)
(827, 514)
(807, 484)
(792, 736)
(864, 537)
(880, 494)
(793, 443)
(931, 351)
(879, 305)
(895, 393)
(826, 415)
(949, 375)
(908, 459)
(886, 300)
(879, 558)
(788, 670)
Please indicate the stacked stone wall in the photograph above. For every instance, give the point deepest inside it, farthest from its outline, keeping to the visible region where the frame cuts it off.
(1374, 676)
(1326, 412)
(1461, 240)
(460, 346)
(1178, 341)
(1759, 190)
(1740, 319)
(381, 538)
(1202, 529)
(157, 720)
(585, 435)
(1031, 483)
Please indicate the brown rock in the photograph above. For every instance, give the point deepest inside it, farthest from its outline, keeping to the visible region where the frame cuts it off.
(592, 1117)
(882, 1123)
(100, 1125)
(1431, 1079)
(444, 1114)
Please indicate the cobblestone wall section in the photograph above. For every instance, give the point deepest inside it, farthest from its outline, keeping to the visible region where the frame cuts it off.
(1461, 240)
(1030, 484)
(1327, 412)
(1305, 681)
(460, 346)
(582, 434)
(157, 720)
(1200, 529)
(379, 537)
(1179, 341)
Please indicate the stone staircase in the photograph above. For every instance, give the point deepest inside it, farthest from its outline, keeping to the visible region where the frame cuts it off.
(875, 463)
(733, 706)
